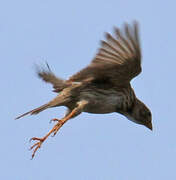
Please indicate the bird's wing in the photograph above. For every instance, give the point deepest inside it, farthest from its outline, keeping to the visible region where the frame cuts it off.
(48, 76)
(118, 59)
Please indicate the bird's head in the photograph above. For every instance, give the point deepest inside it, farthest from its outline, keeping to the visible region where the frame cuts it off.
(140, 114)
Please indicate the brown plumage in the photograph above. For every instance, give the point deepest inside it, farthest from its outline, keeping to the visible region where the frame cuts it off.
(103, 86)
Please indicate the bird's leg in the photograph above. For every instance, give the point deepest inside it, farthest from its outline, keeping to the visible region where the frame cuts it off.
(76, 111)
(66, 114)
(57, 120)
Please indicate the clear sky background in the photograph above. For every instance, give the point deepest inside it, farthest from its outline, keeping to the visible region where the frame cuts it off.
(66, 34)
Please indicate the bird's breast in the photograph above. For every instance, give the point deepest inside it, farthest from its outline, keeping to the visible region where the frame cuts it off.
(103, 101)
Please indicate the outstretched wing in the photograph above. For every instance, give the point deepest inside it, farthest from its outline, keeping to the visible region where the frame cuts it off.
(48, 76)
(118, 59)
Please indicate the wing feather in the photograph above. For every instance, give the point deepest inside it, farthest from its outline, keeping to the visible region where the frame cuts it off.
(118, 58)
(49, 77)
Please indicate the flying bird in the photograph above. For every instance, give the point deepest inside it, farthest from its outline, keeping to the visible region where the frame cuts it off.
(101, 87)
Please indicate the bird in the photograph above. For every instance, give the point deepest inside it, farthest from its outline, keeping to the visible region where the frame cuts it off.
(104, 86)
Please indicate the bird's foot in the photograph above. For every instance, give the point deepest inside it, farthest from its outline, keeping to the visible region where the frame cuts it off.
(54, 119)
(37, 145)
(57, 127)
(39, 142)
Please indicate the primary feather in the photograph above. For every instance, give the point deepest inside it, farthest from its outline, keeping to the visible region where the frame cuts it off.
(49, 77)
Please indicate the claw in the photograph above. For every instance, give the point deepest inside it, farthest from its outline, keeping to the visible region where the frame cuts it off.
(35, 138)
(54, 130)
(55, 119)
(37, 145)
(57, 127)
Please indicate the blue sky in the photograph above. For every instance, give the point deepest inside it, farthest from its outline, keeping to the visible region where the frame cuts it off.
(66, 34)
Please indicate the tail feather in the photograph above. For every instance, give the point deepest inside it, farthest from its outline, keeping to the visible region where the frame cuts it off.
(35, 111)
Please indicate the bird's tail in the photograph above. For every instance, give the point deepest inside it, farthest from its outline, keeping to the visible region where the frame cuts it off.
(59, 100)
(35, 111)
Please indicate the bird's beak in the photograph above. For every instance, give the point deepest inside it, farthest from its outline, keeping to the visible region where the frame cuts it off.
(149, 125)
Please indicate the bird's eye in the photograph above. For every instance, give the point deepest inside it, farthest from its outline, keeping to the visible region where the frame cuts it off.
(148, 113)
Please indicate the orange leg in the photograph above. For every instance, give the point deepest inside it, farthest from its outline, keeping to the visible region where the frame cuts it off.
(56, 127)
